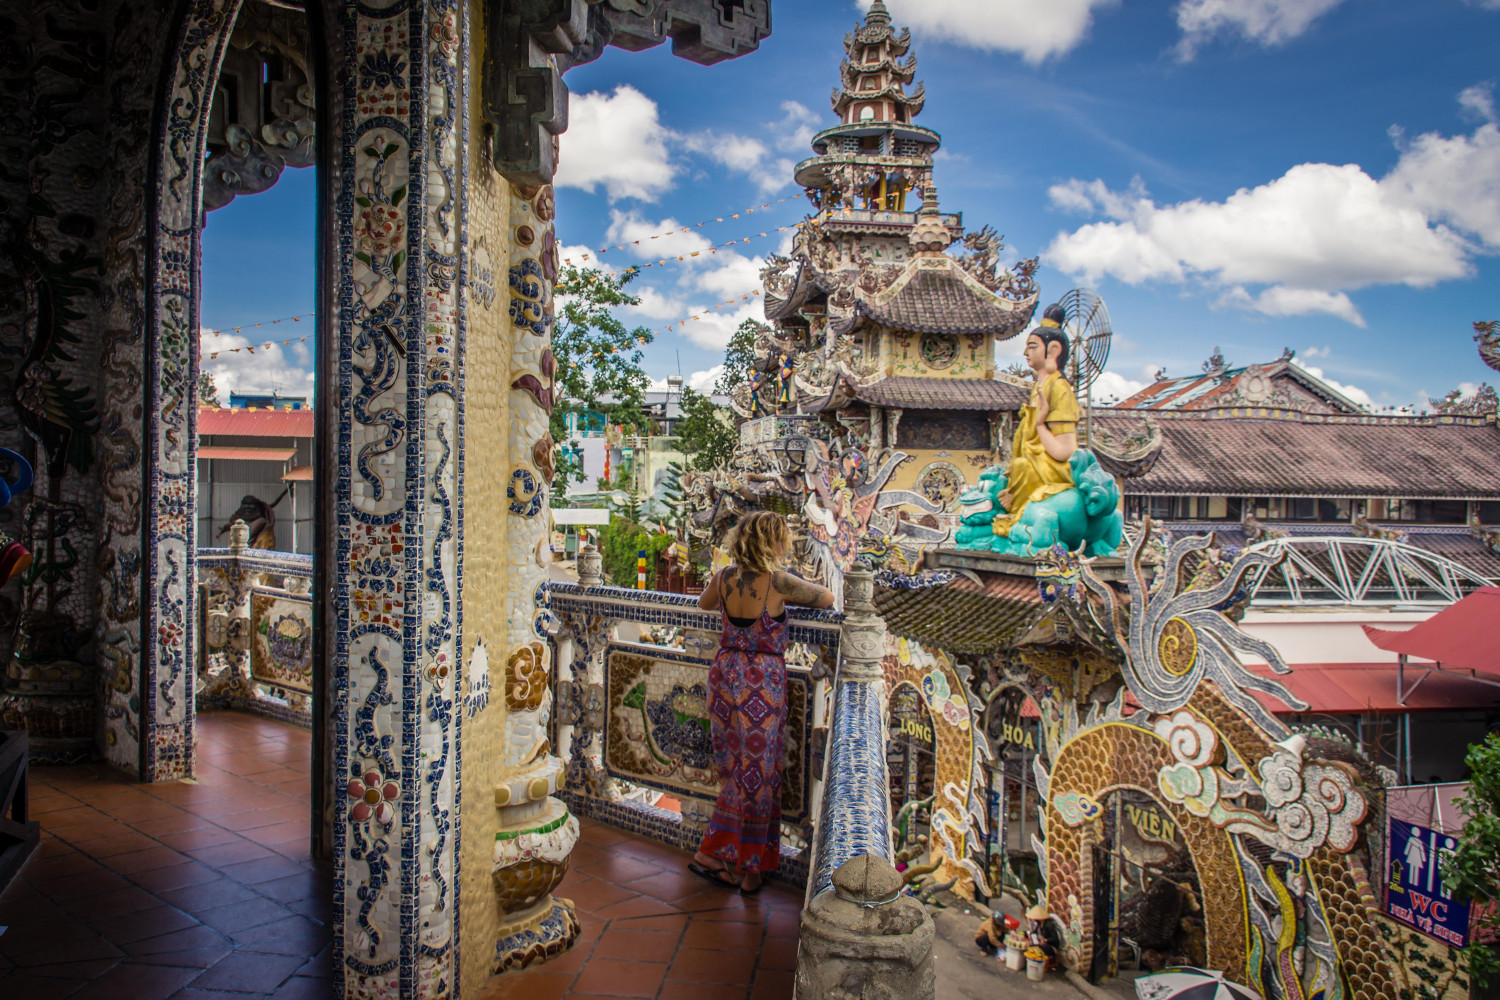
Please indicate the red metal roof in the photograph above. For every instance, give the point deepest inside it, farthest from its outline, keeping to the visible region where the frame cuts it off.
(245, 454)
(1352, 688)
(1461, 636)
(255, 422)
(299, 474)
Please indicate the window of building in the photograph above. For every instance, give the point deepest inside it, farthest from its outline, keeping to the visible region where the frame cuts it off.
(934, 429)
(1423, 511)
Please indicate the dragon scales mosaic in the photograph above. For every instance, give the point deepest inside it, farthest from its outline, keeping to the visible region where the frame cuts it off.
(1278, 826)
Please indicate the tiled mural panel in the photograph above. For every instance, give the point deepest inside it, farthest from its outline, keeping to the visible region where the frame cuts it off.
(139, 47)
(53, 150)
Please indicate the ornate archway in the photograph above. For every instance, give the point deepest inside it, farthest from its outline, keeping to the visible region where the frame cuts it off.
(1117, 756)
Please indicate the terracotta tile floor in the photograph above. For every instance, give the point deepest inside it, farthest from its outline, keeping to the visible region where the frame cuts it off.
(651, 929)
(193, 891)
(184, 890)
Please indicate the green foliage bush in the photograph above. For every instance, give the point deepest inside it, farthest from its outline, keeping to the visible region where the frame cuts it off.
(619, 544)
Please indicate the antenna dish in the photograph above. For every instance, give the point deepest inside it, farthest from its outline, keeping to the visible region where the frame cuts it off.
(1089, 333)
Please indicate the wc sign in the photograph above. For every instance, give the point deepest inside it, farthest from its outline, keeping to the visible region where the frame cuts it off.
(1414, 889)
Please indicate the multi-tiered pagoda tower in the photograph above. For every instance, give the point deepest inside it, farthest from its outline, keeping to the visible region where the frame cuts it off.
(878, 331)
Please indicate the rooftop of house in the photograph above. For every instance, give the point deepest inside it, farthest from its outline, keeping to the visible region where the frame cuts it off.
(1282, 382)
(1265, 452)
(255, 422)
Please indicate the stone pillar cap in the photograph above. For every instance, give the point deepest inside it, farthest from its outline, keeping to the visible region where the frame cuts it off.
(867, 880)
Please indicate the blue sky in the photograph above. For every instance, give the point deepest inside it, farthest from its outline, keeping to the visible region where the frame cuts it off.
(1252, 174)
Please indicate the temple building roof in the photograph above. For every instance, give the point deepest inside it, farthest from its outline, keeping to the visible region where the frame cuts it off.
(910, 392)
(964, 616)
(1288, 453)
(1281, 383)
(936, 295)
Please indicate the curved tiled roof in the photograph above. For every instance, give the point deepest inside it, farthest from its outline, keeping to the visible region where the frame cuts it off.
(1287, 454)
(935, 295)
(964, 616)
(913, 393)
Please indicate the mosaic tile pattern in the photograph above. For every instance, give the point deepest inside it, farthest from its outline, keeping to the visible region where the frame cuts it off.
(856, 814)
(808, 625)
(657, 731)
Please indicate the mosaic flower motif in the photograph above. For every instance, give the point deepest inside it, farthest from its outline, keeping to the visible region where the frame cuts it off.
(373, 795)
(382, 69)
(437, 672)
(379, 228)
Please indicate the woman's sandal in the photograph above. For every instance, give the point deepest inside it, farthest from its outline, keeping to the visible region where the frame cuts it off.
(720, 877)
(750, 892)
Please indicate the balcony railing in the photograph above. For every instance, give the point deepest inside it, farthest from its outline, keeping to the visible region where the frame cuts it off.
(255, 651)
(631, 722)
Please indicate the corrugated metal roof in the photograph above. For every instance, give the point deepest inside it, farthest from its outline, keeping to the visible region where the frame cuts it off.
(1461, 636)
(206, 451)
(255, 423)
(1354, 688)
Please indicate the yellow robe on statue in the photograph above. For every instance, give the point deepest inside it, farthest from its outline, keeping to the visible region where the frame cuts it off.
(1035, 475)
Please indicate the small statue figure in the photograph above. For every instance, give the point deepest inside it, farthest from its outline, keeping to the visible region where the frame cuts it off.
(259, 517)
(785, 368)
(757, 383)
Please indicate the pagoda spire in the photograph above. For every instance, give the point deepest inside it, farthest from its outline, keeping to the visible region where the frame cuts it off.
(876, 154)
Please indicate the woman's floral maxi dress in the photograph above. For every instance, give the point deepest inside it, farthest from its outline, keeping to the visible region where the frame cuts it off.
(747, 708)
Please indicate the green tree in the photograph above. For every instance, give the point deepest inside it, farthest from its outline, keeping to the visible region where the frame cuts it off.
(705, 434)
(208, 392)
(1473, 871)
(739, 357)
(676, 501)
(597, 356)
(620, 543)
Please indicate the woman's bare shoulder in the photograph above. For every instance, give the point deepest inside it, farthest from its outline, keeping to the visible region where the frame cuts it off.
(795, 589)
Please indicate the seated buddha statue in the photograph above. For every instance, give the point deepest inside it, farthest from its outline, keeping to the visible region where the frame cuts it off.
(1047, 437)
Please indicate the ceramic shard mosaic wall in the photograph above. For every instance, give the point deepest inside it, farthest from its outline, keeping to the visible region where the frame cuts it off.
(400, 205)
(281, 643)
(959, 818)
(1274, 823)
(657, 729)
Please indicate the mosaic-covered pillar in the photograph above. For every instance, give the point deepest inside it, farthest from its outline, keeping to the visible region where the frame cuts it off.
(537, 832)
(400, 191)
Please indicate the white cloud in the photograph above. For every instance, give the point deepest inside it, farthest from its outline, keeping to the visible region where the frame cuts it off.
(1112, 387)
(616, 140)
(1269, 22)
(713, 328)
(1454, 180)
(1354, 392)
(1034, 29)
(1309, 237)
(794, 132)
(653, 240)
(1478, 101)
(1315, 352)
(743, 155)
(281, 368)
(1279, 300)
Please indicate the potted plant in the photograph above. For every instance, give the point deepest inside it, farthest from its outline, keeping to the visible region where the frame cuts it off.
(1036, 963)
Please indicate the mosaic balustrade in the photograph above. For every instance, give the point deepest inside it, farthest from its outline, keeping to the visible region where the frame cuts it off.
(631, 721)
(256, 653)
